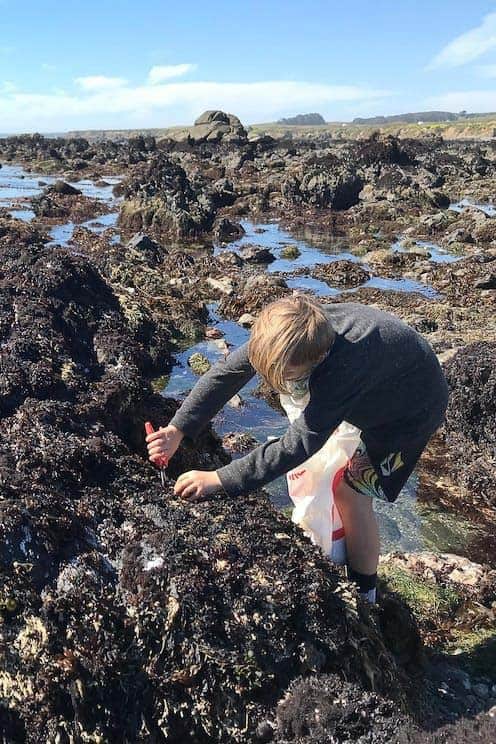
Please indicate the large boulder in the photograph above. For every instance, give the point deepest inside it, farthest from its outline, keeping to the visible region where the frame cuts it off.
(471, 424)
(212, 126)
(381, 149)
(161, 198)
(320, 186)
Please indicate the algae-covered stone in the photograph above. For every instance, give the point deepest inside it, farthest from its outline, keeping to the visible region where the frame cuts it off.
(199, 363)
(290, 252)
(452, 599)
(160, 383)
(239, 441)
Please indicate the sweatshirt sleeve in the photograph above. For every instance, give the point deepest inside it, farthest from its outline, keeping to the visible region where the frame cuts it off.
(270, 460)
(212, 391)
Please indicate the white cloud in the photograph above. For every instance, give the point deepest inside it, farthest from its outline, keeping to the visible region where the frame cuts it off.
(486, 71)
(100, 82)
(476, 101)
(159, 73)
(468, 46)
(8, 87)
(103, 105)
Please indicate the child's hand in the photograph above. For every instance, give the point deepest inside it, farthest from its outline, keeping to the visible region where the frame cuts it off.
(165, 441)
(197, 483)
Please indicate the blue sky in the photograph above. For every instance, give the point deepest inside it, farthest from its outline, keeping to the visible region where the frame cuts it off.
(117, 64)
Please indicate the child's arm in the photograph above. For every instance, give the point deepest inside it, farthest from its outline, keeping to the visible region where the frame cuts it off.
(212, 391)
(303, 438)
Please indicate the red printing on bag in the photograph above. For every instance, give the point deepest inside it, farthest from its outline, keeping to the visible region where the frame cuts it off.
(295, 476)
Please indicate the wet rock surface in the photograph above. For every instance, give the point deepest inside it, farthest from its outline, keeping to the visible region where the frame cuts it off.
(470, 431)
(342, 274)
(161, 198)
(65, 205)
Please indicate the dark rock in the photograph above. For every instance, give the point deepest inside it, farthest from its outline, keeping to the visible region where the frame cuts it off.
(222, 193)
(67, 203)
(438, 199)
(264, 732)
(471, 424)
(161, 198)
(342, 273)
(486, 282)
(146, 247)
(379, 149)
(460, 235)
(325, 709)
(471, 375)
(254, 254)
(256, 292)
(229, 259)
(226, 231)
(323, 188)
(61, 187)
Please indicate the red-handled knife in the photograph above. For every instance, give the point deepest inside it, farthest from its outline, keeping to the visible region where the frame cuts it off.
(160, 462)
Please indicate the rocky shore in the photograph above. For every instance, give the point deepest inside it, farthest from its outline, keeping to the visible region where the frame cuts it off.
(127, 615)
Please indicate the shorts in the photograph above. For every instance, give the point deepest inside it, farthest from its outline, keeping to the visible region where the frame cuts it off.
(384, 477)
(379, 470)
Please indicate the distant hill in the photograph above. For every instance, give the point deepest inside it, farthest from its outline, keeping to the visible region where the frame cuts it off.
(303, 120)
(411, 118)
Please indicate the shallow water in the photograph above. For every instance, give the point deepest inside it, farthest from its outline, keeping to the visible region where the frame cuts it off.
(255, 415)
(17, 187)
(318, 287)
(459, 206)
(16, 183)
(62, 234)
(400, 285)
(437, 253)
(270, 235)
(26, 215)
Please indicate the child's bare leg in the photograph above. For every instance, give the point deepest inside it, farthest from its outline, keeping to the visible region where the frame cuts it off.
(361, 531)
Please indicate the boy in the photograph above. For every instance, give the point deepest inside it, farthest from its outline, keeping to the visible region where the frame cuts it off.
(359, 365)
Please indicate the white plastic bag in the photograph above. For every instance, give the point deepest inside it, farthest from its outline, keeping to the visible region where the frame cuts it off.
(311, 485)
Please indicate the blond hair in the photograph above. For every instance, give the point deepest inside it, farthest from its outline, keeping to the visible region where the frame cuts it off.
(293, 331)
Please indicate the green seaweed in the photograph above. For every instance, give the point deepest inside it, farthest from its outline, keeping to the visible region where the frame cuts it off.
(160, 383)
(475, 649)
(424, 597)
(199, 363)
(290, 252)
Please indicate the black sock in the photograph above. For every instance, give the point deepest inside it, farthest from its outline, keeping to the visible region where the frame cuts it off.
(364, 582)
